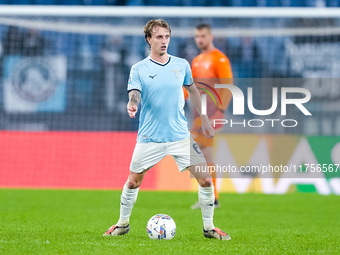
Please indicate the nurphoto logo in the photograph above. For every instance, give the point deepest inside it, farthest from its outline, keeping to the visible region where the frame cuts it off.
(239, 105)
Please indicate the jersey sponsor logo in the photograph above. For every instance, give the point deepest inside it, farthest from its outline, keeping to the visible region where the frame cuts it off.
(152, 76)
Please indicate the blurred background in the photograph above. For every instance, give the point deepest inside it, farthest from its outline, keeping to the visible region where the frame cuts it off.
(63, 87)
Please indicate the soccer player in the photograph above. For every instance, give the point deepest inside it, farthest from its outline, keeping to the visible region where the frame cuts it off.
(210, 67)
(156, 82)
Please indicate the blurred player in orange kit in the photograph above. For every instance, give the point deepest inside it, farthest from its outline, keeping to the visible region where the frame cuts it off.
(209, 68)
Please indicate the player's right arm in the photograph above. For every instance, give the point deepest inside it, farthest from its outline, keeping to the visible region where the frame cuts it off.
(132, 106)
(195, 98)
(134, 89)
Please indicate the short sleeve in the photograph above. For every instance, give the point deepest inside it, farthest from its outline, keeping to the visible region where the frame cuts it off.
(134, 82)
(188, 80)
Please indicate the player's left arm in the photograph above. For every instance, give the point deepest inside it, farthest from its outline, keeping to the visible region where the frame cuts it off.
(195, 98)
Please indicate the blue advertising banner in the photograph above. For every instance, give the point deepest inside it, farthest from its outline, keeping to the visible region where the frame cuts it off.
(34, 84)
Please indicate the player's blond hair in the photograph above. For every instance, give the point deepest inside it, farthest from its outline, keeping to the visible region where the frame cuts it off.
(152, 24)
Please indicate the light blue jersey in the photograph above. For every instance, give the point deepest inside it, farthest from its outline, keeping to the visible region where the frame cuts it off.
(162, 100)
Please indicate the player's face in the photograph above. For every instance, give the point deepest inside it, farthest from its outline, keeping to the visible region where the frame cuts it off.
(203, 38)
(159, 41)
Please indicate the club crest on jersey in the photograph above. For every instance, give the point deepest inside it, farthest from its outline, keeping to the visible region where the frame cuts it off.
(177, 72)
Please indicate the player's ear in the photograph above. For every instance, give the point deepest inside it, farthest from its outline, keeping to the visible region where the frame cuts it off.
(149, 39)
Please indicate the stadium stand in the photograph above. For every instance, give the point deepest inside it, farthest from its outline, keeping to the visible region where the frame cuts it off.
(98, 63)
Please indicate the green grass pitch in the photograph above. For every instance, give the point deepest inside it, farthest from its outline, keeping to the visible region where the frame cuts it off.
(73, 221)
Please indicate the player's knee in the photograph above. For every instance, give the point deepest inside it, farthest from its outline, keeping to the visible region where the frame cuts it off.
(133, 184)
(205, 182)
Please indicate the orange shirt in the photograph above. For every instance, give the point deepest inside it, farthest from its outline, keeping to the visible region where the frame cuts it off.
(213, 68)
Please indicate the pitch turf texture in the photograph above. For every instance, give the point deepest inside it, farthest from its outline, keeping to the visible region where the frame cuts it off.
(73, 221)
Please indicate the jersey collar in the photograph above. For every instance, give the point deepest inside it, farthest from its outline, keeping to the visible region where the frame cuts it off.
(154, 61)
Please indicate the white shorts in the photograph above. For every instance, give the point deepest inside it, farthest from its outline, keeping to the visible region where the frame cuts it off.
(185, 152)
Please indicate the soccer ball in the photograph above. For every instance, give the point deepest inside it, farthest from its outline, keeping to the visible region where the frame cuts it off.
(161, 226)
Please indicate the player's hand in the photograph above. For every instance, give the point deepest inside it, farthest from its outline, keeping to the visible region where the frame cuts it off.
(132, 109)
(207, 129)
